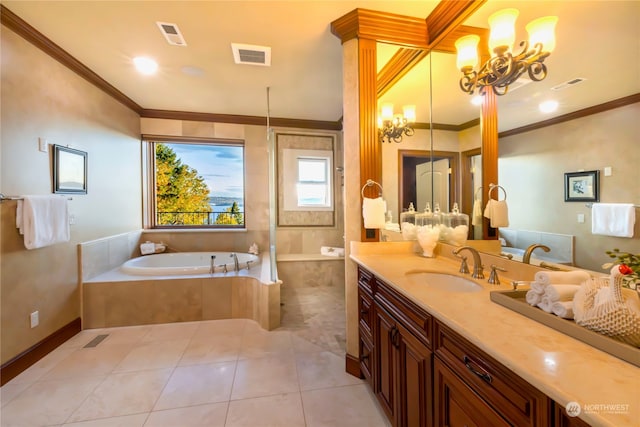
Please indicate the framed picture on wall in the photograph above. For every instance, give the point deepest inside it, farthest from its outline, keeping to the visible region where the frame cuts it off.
(582, 186)
(69, 170)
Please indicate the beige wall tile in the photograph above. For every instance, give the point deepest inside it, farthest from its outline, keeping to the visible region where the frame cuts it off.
(216, 299)
(177, 300)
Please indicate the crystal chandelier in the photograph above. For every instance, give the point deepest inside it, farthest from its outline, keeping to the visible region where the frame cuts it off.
(504, 68)
(391, 127)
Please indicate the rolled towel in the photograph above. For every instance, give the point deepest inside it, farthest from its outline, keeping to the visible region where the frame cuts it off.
(561, 292)
(545, 303)
(563, 309)
(569, 277)
(538, 287)
(532, 297)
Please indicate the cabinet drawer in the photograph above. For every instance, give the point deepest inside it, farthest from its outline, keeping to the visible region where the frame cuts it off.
(365, 312)
(416, 320)
(562, 419)
(365, 279)
(516, 400)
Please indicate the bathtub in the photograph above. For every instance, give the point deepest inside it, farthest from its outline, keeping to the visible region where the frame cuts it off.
(186, 263)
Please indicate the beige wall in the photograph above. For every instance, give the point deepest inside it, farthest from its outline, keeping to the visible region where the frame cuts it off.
(43, 99)
(531, 168)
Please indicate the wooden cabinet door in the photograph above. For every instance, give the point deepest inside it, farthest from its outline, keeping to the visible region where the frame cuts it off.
(385, 376)
(456, 405)
(414, 406)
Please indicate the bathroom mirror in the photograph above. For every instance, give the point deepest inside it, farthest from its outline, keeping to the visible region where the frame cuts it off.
(594, 56)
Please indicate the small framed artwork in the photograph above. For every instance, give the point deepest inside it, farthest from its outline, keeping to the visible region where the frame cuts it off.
(582, 186)
(69, 170)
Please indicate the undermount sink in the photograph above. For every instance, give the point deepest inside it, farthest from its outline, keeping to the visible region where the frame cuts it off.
(443, 281)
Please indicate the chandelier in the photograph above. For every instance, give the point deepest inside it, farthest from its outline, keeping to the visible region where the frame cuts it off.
(504, 68)
(391, 127)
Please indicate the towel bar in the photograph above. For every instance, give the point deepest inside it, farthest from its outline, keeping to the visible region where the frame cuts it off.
(589, 205)
(369, 183)
(3, 198)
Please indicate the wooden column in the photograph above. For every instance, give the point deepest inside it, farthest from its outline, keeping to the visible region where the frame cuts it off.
(489, 128)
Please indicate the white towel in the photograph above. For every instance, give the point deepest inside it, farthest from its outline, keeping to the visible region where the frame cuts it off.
(563, 309)
(561, 277)
(43, 220)
(331, 251)
(532, 297)
(538, 287)
(476, 217)
(373, 211)
(613, 219)
(561, 292)
(497, 212)
(545, 303)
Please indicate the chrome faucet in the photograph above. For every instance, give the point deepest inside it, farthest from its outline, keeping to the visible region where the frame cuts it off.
(477, 261)
(526, 258)
(236, 265)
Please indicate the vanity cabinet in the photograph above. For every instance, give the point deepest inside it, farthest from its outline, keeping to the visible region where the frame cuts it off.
(425, 374)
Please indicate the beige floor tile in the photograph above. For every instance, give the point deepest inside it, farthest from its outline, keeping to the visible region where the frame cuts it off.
(82, 338)
(265, 377)
(302, 345)
(90, 362)
(281, 410)
(153, 355)
(221, 328)
(136, 420)
(44, 365)
(123, 394)
(350, 406)
(125, 335)
(195, 385)
(212, 415)
(322, 370)
(211, 349)
(265, 344)
(9, 391)
(47, 402)
(171, 331)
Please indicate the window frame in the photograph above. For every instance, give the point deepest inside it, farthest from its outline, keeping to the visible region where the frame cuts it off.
(149, 177)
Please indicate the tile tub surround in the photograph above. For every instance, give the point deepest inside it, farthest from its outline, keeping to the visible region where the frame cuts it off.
(565, 369)
(102, 255)
(116, 299)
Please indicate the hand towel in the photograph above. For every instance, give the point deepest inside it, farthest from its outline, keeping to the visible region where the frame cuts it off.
(545, 303)
(532, 297)
(538, 287)
(555, 277)
(497, 212)
(613, 219)
(373, 211)
(476, 217)
(563, 309)
(561, 292)
(44, 220)
(147, 248)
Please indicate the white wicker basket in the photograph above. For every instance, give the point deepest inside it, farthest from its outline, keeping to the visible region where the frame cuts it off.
(602, 305)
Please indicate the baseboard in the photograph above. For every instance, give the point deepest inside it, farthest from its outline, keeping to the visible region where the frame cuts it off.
(353, 366)
(22, 361)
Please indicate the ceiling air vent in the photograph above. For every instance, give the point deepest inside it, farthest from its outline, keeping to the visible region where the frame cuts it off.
(172, 33)
(251, 54)
(571, 82)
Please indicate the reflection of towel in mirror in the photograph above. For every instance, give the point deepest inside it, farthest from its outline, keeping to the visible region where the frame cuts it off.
(497, 213)
(373, 211)
(476, 217)
(613, 219)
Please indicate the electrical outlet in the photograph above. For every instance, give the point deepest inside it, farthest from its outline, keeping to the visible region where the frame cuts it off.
(35, 319)
(580, 218)
(43, 145)
(607, 171)
(72, 219)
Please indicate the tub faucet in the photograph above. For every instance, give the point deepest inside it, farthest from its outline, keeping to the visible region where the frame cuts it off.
(526, 258)
(236, 265)
(477, 261)
(212, 268)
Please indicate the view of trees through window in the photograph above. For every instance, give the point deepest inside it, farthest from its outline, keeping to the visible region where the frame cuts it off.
(199, 184)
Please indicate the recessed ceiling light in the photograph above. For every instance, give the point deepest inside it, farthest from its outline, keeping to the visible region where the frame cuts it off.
(548, 106)
(477, 100)
(145, 65)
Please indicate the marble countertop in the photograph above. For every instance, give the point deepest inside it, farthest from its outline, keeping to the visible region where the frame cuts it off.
(565, 369)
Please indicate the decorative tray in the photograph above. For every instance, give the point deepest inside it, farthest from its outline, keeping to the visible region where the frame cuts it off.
(515, 300)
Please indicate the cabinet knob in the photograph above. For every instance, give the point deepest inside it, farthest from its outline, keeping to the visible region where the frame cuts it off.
(482, 375)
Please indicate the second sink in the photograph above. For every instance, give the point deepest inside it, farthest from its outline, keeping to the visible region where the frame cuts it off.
(443, 281)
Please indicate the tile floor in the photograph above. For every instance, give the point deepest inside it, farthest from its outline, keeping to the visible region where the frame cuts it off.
(212, 373)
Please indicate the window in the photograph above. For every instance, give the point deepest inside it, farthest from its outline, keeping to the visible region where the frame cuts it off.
(196, 184)
(307, 180)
